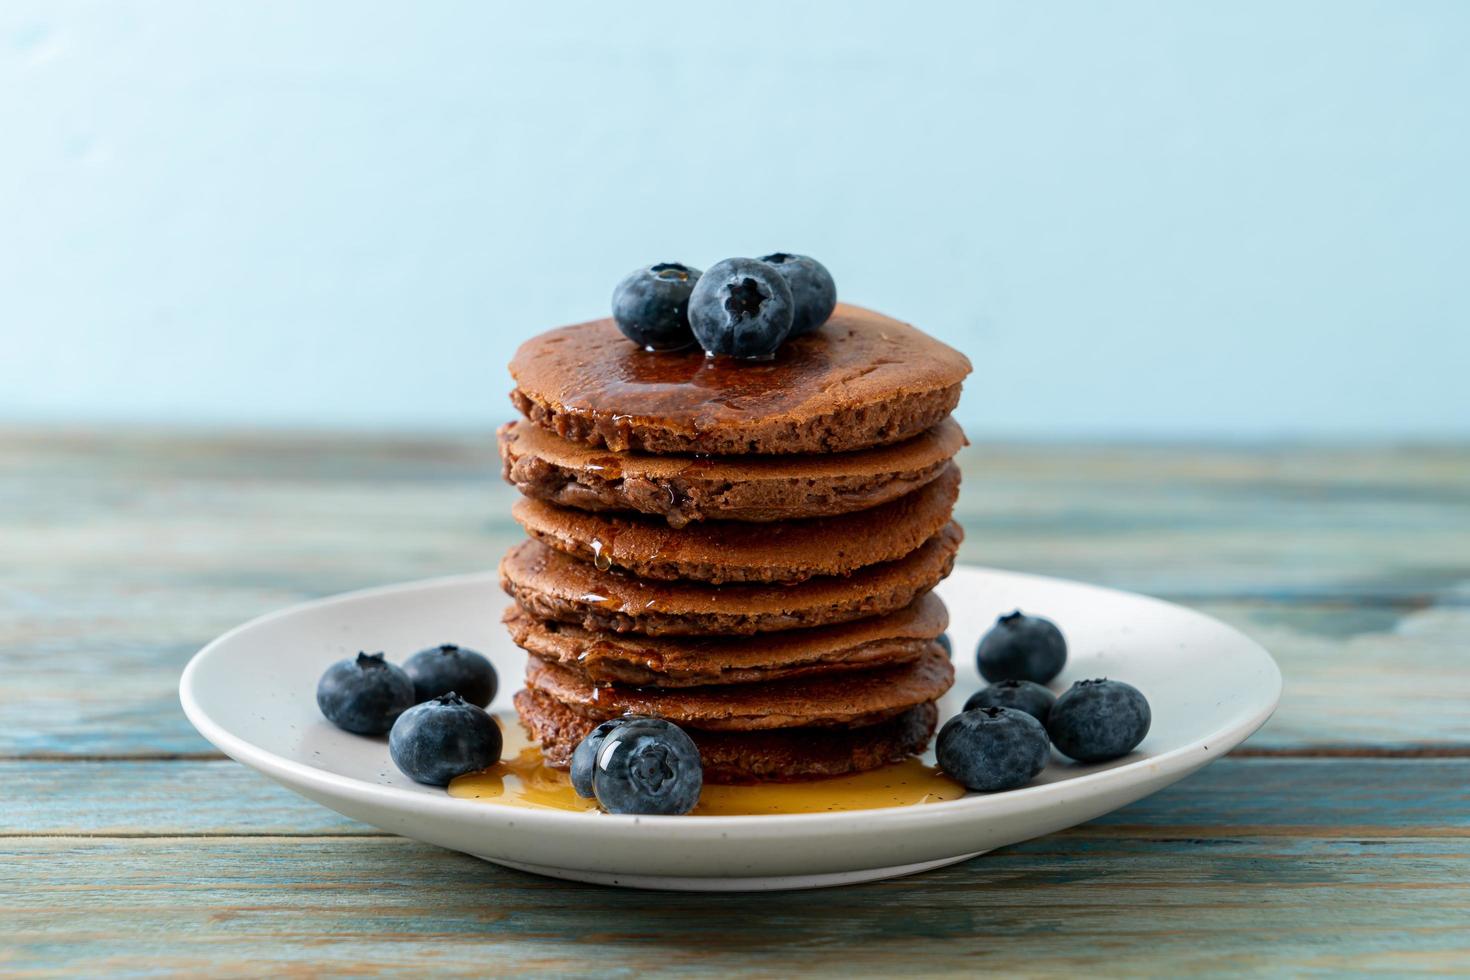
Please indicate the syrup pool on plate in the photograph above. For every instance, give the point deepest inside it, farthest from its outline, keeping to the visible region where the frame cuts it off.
(523, 779)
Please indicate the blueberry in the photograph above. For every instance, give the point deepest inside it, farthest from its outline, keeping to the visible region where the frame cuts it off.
(647, 765)
(365, 695)
(944, 641)
(584, 757)
(741, 307)
(991, 749)
(1022, 648)
(442, 738)
(1025, 696)
(1094, 721)
(651, 305)
(812, 289)
(444, 668)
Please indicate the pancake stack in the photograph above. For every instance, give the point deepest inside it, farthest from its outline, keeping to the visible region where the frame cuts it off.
(744, 548)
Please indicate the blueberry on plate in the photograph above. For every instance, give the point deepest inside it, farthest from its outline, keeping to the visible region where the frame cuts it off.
(741, 307)
(447, 667)
(1022, 648)
(992, 749)
(812, 289)
(584, 757)
(364, 696)
(442, 738)
(1097, 720)
(944, 641)
(651, 305)
(1025, 696)
(647, 765)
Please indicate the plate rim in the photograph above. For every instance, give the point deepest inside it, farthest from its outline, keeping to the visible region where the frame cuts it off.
(1181, 759)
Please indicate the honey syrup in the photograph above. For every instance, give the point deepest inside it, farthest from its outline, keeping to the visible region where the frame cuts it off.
(522, 778)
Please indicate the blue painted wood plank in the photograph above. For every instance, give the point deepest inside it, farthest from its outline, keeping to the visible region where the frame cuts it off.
(1074, 906)
(1301, 797)
(124, 552)
(1370, 678)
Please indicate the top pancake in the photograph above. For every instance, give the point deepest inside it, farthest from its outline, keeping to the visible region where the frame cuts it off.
(861, 380)
(682, 489)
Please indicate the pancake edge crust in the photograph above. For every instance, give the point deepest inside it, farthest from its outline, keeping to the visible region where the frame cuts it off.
(733, 758)
(852, 699)
(788, 552)
(872, 591)
(698, 489)
(840, 430)
(671, 662)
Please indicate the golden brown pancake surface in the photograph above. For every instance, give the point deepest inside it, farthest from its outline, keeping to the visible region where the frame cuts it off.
(788, 551)
(850, 699)
(551, 585)
(682, 489)
(859, 381)
(773, 755)
(631, 659)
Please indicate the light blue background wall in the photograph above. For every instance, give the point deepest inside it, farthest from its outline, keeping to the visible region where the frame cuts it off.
(1173, 219)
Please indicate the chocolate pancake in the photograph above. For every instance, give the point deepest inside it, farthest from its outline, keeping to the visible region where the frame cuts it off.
(630, 659)
(777, 755)
(681, 489)
(861, 380)
(551, 585)
(849, 699)
(788, 551)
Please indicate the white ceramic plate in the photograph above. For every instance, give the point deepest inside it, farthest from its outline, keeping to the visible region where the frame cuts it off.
(252, 693)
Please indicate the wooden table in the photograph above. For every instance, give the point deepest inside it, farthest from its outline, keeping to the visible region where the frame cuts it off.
(1337, 841)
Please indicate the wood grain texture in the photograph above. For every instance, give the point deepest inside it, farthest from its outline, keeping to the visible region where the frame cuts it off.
(132, 551)
(1257, 797)
(128, 847)
(1060, 905)
(1356, 676)
(1270, 522)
